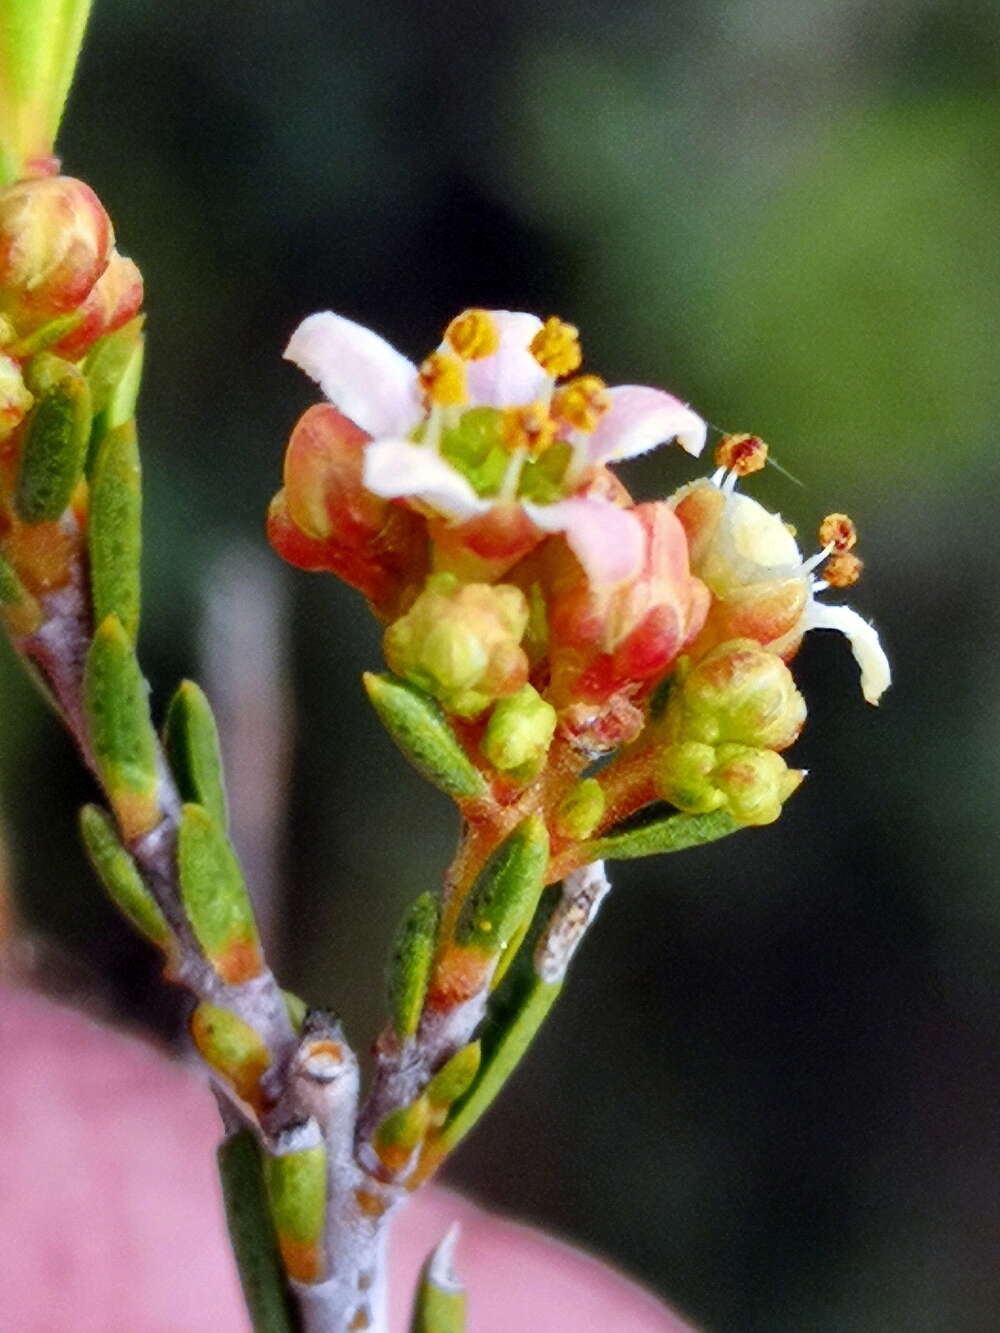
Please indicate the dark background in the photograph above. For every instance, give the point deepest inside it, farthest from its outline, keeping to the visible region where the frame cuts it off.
(771, 1090)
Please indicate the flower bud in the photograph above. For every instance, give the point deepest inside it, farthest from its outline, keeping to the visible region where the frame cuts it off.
(15, 400)
(519, 733)
(751, 784)
(55, 242)
(114, 299)
(739, 693)
(325, 519)
(461, 643)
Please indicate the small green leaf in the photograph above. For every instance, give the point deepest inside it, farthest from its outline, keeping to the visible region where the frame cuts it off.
(421, 730)
(440, 1303)
(658, 829)
(409, 970)
(454, 1077)
(55, 442)
(295, 1174)
(215, 897)
(232, 1048)
(117, 872)
(121, 734)
(507, 889)
(114, 529)
(251, 1231)
(192, 743)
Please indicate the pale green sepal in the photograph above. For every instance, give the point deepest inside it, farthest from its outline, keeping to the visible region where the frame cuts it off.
(121, 734)
(440, 1305)
(114, 370)
(660, 829)
(55, 443)
(117, 872)
(419, 727)
(192, 744)
(251, 1232)
(507, 889)
(410, 967)
(215, 897)
(114, 528)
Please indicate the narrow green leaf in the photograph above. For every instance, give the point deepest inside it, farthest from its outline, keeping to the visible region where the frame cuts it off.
(440, 1304)
(410, 967)
(658, 829)
(251, 1231)
(232, 1048)
(421, 730)
(507, 889)
(117, 872)
(454, 1078)
(114, 529)
(192, 743)
(215, 897)
(118, 724)
(55, 444)
(295, 1175)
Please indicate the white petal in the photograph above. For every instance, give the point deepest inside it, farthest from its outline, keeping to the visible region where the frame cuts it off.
(876, 675)
(639, 419)
(609, 542)
(397, 468)
(511, 377)
(361, 374)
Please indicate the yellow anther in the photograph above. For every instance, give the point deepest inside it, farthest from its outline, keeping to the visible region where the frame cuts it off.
(582, 402)
(528, 429)
(556, 347)
(741, 454)
(472, 335)
(442, 379)
(842, 569)
(838, 531)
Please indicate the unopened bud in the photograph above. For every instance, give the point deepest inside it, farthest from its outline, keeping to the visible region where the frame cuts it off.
(115, 298)
(684, 778)
(519, 733)
(581, 811)
(756, 783)
(461, 643)
(740, 693)
(55, 241)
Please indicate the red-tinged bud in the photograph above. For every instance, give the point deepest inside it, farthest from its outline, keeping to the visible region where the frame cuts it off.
(115, 298)
(482, 549)
(55, 242)
(608, 640)
(324, 519)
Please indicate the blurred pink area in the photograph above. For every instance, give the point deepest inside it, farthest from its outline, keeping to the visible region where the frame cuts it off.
(110, 1217)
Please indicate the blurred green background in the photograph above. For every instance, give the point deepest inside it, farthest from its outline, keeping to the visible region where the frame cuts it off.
(771, 1091)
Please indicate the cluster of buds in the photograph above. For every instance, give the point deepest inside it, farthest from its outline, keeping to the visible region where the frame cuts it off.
(70, 358)
(526, 593)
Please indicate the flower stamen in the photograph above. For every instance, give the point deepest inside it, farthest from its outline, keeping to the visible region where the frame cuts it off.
(838, 532)
(582, 402)
(472, 335)
(556, 347)
(842, 570)
(442, 380)
(741, 454)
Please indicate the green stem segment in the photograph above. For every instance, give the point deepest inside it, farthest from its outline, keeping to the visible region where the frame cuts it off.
(252, 1235)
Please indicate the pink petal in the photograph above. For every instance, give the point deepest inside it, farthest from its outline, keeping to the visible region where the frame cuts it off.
(511, 376)
(641, 418)
(608, 542)
(397, 469)
(360, 373)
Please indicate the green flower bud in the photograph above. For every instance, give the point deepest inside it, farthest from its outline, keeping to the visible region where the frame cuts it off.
(460, 642)
(740, 694)
(756, 783)
(685, 778)
(519, 733)
(581, 811)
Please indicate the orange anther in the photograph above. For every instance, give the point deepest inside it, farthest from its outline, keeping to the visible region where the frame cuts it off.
(582, 402)
(838, 531)
(842, 569)
(741, 454)
(472, 335)
(529, 428)
(442, 379)
(556, 347)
